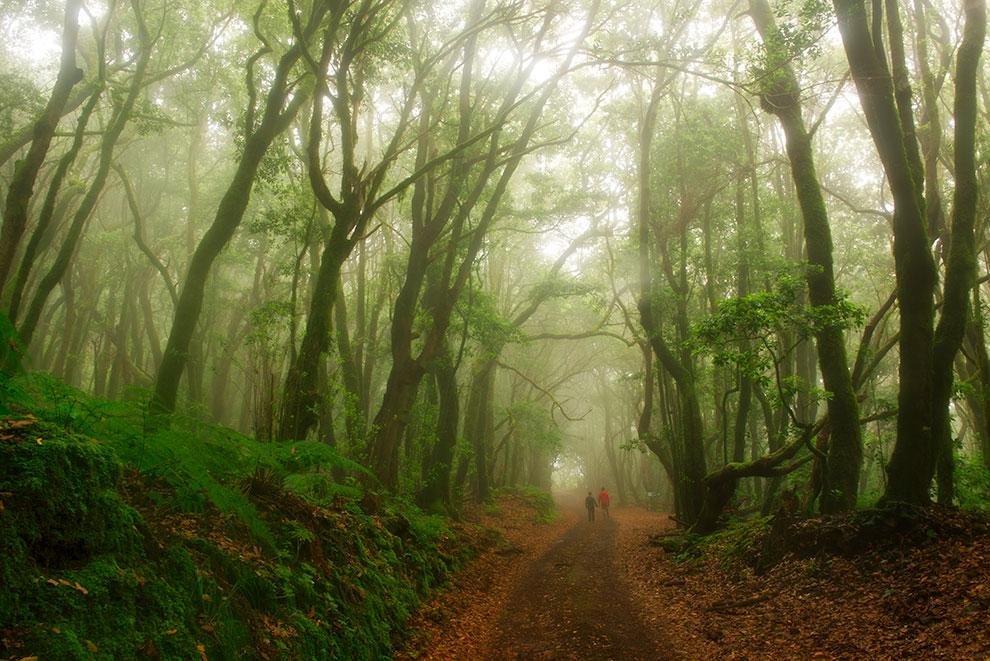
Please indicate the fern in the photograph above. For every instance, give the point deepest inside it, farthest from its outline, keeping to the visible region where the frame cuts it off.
(202, 462)
(12, 390)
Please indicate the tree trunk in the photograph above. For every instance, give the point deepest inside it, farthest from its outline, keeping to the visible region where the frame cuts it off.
(912, 463)
(435, 493)
(745, 385)
(353, 409)
(845, 451)
(118, 338)
(690, 473)
(960, 266)
(930, 136)
(980, 400)
(221, 373)
(21, 188)
(279, 113)
(301, 393)
(53, 210)
(478, 422)
(69, 328)
(393, 415)
(118, 121)
(150, 325)
(449, 217)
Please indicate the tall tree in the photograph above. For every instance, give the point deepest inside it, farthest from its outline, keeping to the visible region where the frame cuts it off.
(120, 116)
(474, 185)
(15, 211)
(285, 96)
(960, 263)
(689, 456)
(912, 463)
(781, 96)
(362, 191)
(54, 202)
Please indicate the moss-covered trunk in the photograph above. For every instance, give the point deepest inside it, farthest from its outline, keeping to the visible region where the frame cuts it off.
(276, 118)
(960, 265)
(782, 98)
(435, 493)
(15, 211)
(300, 407)
(912, 463)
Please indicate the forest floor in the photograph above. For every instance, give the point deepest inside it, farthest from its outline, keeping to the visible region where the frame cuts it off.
(607, 590)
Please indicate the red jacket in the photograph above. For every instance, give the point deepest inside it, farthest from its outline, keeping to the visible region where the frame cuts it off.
(603, 498)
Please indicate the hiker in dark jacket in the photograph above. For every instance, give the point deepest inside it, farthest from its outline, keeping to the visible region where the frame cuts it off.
(590, 503)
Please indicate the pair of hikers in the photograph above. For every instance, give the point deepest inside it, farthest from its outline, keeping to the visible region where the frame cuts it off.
(603, 501)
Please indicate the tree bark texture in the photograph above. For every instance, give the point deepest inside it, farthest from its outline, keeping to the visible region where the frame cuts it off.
(912, 463)
(434, 496)
(960, 265)
(277, 116)
(782, 98)
(302, 395)
(15, 212)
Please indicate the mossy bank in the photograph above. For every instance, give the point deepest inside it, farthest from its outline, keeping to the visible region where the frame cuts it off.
(196, 542)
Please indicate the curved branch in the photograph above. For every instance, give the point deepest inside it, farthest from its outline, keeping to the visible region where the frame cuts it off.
(550, 395)
(132, 204)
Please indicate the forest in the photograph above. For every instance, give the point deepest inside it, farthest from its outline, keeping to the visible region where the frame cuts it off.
(314, 311)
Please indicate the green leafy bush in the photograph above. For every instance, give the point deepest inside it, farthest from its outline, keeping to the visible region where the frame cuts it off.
(972, 484)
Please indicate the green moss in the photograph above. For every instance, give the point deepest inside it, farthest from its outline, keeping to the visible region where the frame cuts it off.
(78, 583)
(62, 500)
(217, 544)
(541, 501)
(60, 509)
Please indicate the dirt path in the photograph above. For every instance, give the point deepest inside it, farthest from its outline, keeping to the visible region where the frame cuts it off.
(548, 591)
(574, 590)
(573, 604)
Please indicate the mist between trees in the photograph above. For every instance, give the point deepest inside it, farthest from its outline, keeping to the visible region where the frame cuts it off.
(706, 253)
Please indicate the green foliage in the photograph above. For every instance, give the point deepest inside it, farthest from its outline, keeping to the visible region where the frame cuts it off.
(148, 118)
(421, 438)
(760, 318)
(534, 423)
(972, 484)
(66, 537)
(801, 24)
(541, 501)
(212, 543)
(286, 210)
(12, 390)
(732, 545)
(559, 287)
(59, 506)
(203, 463)
(486, 325)
(20, 101)
(268, 322)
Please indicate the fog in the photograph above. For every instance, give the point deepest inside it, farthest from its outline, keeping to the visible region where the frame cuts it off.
(488, 245)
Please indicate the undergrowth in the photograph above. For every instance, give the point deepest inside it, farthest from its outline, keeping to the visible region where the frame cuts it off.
(195, 541)
(761, 543)
(539, 500)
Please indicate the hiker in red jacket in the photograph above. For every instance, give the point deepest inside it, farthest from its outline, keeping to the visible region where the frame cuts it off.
(603, 501)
